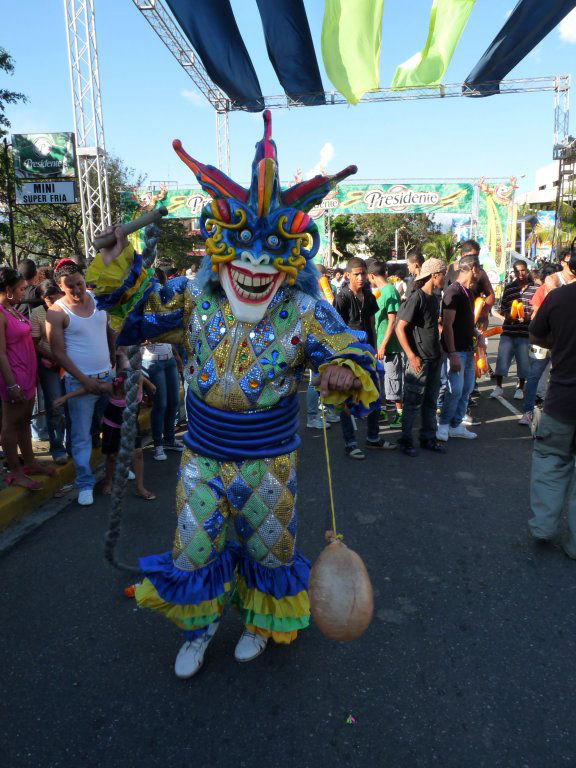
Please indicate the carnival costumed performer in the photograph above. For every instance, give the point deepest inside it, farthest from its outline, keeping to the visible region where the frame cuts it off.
(252, 322)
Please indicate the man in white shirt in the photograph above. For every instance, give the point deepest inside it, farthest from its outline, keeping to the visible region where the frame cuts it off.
(82, 343)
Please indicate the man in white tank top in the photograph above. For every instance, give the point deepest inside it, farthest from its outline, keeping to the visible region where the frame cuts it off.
(83, 344)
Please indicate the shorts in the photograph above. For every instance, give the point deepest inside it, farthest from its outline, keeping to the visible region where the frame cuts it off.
(393, 376)
(111, 435)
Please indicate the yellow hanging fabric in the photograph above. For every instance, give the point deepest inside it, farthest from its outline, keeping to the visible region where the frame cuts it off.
(351, 45)
(428, 67)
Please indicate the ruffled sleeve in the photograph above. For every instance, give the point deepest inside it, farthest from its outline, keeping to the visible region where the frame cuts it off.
(138, 307)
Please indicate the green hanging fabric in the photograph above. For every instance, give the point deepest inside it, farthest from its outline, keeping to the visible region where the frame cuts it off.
(351, 44)
(447, 21)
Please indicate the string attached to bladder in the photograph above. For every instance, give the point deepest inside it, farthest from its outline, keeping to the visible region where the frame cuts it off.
(333, 534)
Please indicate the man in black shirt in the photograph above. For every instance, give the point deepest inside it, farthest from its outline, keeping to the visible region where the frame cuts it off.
(418, 333)
(458, 334)
(357, 306)
(514, 341)
(553, 476)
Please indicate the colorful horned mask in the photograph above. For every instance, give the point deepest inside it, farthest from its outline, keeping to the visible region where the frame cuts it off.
(258, 238)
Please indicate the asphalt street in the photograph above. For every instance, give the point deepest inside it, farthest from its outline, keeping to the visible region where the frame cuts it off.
(468, 662)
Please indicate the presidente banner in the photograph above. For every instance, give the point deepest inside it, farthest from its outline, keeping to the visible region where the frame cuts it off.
(40, 156)
(345, 199)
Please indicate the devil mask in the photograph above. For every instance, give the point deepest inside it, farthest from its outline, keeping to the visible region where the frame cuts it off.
(258, 238)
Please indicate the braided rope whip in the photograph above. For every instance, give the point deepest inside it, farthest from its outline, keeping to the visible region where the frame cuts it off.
(129, 427)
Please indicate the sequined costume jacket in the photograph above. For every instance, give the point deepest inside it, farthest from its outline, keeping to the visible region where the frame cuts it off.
(235, 368)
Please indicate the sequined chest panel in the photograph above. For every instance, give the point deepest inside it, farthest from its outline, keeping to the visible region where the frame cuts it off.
(240, 367)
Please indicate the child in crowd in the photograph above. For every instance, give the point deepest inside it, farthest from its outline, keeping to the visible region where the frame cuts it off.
(112, 423)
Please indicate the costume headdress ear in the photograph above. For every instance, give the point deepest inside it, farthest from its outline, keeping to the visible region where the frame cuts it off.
(212, 180)
(306, 194)
(264, 194)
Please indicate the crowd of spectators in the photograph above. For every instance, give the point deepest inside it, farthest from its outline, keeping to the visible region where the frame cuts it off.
(59, 366)
(61, 379)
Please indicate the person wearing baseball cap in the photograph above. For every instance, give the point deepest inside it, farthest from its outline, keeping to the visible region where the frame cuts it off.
(418, 334)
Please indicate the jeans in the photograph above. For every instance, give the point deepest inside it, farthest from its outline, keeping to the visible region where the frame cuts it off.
(52, 388)
(164, 375)
(81, 410)
(372, 427)
(537, 368)
(420, 395)
(460, 385)
(553, 483)
(38, 424)
(513, 347)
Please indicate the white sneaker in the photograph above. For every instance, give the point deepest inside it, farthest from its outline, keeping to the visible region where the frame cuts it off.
(191, 655)
(519, 394)
(442, 433)
(177, 445)
(159, 454)
(131, 475)
(462, 431)
(250, 646)
(315, 422)
(497, 392)
(86, 497)
(526, 419)
(332, 418)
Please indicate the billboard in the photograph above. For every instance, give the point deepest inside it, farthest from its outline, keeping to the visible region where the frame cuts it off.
(41, 156)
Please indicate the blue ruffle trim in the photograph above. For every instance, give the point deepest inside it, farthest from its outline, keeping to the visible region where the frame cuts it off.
(374, 368)
(190, 587)
(284, 581)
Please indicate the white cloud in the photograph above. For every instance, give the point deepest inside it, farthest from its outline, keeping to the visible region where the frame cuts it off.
(567, 28)
(326, 154)
(194, 98)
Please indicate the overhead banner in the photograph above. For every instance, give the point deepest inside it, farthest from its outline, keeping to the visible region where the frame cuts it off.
(345, 199)
(44, 155)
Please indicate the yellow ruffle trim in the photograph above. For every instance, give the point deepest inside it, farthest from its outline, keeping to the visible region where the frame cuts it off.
(181, 615)
(107, 279)
(292, 607)
(366, 395)
(284, 638)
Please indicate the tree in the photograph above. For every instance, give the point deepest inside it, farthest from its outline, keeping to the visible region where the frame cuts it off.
(6, 96)
(378, 232)
(441, 246)
(176, 243)
(54, 231)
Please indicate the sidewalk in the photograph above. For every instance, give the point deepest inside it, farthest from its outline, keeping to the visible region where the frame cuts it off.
(16, 503)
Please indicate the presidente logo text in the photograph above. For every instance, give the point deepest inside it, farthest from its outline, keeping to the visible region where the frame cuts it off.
(399, 198)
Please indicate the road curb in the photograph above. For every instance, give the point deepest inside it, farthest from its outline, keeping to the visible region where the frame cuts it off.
(16, 503)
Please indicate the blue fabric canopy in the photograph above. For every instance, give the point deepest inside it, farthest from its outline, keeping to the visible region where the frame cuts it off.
(212, 30)
(291, 50)
(527, 25)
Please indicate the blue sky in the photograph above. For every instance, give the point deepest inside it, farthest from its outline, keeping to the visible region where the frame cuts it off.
(148, 100)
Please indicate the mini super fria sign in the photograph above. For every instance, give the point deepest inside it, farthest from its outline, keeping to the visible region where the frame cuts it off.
(45, 192)
(44, 155)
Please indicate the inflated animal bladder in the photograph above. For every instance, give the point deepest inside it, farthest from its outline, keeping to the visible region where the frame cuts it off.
(341, 598)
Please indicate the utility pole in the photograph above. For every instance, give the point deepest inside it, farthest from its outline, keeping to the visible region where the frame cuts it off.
(9, 204)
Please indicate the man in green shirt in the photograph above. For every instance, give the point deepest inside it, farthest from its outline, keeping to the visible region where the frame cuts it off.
(388, 347)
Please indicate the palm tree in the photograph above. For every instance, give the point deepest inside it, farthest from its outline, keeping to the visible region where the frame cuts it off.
(441, 246)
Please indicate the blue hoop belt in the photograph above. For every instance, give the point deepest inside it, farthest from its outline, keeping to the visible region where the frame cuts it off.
(236, 436)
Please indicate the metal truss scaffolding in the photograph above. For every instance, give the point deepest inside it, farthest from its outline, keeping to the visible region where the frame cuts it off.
(169, 32)
(88, 122)
(84, 75)
(565, 224)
